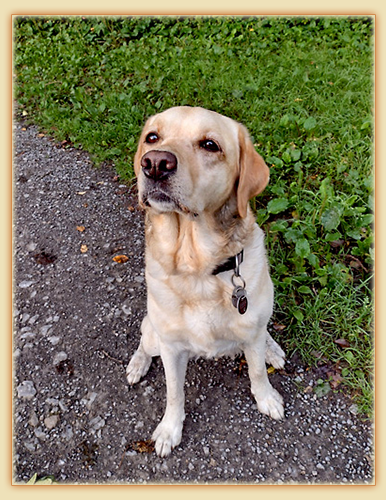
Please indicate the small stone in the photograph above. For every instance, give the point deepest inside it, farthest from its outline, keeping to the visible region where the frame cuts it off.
(126, 309)
(39, 433)
(60, 356)
(63, 406)
(26, 390)
(45, 329)
(31, 247)
(25, 284)
(27, 335)
(68, 433)
(148, 391)
(33, 320)
(54, 340)
(51, 422)
(25, 317)
(97, 423)
(52, 401)
(33, 421)
(30, 446)
(89, 399)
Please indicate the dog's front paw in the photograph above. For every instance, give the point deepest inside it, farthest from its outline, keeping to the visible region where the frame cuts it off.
(271, 404)
(138, 366)
(166, 438)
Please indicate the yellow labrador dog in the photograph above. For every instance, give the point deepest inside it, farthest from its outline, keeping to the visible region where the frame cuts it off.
(209, 289)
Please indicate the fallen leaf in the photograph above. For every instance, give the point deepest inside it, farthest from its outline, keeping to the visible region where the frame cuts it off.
(270, 370)
(33, 479)
(44, 480)
(336, 243)
(335, 380)
(278, 328)
(45, 258)
(83, 248)
(41, 135)
(81, 192)
(80, 228)
(355, 264)
(342, 342)
(121, 259)
(24, 129)
(131, 208)
(143, 446)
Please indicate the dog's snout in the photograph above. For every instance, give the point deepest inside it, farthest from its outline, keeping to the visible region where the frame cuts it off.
(158, 165)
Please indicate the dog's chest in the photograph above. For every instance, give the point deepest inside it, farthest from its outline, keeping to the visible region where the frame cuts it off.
(197, 312)
(186, 303)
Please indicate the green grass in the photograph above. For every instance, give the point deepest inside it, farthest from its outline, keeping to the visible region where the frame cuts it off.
(304, 89)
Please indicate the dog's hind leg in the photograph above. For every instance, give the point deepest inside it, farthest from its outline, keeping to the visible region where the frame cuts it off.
(274, 354)
(267, 398)
(141, 360)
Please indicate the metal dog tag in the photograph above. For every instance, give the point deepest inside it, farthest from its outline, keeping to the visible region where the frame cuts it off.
(239, 299)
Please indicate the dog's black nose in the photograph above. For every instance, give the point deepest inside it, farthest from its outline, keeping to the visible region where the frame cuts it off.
(158, 165)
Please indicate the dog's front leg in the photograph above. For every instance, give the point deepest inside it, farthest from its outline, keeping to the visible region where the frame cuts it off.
(168, 433)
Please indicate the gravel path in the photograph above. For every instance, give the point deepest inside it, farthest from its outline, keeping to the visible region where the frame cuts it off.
(77, 314)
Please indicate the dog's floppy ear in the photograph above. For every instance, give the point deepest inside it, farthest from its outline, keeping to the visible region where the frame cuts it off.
(253, 172)
(137, 161)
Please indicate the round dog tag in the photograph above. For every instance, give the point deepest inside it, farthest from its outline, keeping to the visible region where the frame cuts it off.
(239, 299)
(242, 305)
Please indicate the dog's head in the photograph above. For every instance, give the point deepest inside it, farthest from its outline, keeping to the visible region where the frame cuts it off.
(191, 160)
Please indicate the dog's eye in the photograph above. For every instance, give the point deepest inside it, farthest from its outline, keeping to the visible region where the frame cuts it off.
(151, 138)
(210, 145)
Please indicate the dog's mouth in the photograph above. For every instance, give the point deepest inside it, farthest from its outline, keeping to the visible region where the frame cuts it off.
(157, 197)
(163, 202)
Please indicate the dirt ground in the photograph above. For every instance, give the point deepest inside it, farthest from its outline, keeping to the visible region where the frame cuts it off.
(77, 314)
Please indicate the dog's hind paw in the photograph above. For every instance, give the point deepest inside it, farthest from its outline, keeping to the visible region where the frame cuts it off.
(271, 405)
(274, 354)
(138, 366)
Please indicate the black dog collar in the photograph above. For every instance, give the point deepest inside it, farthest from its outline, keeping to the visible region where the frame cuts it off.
(230, 265)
